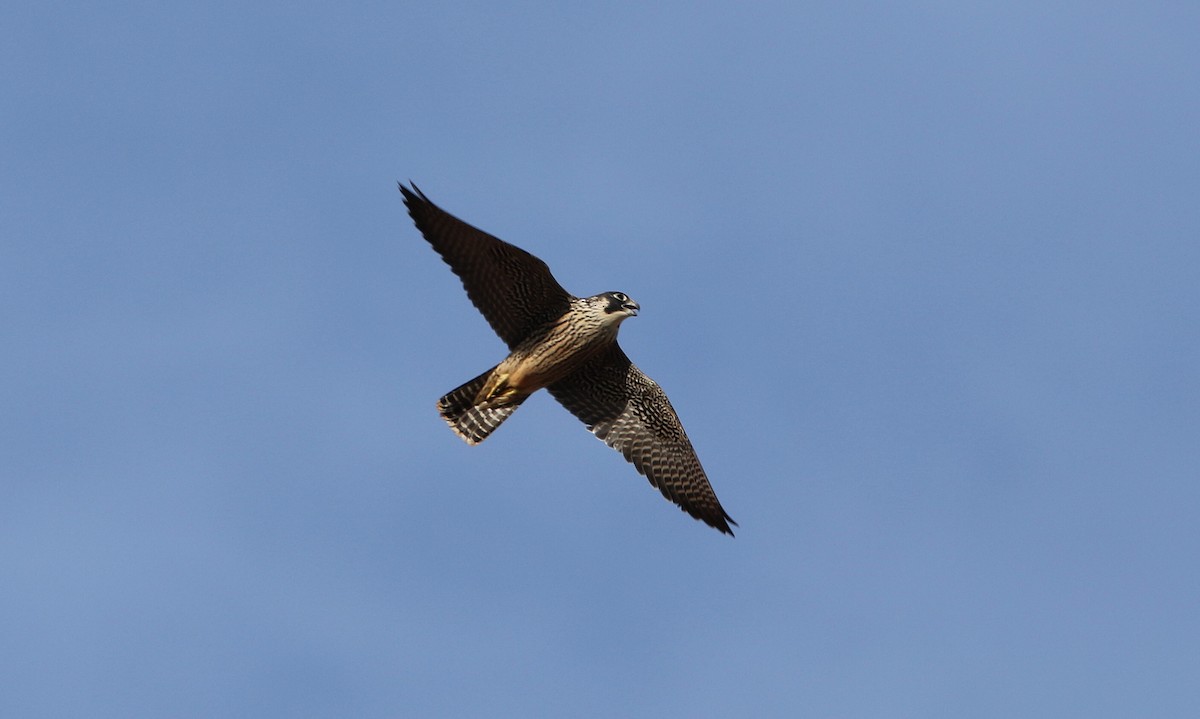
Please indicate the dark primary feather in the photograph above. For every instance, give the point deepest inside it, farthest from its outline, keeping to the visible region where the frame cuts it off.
(513, 289)
(631, 413)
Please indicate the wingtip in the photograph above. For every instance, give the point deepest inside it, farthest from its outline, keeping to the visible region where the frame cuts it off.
(723, 527)
(412, 192)
(718, 520)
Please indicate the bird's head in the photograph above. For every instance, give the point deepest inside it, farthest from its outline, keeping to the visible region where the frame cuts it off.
(618, 305)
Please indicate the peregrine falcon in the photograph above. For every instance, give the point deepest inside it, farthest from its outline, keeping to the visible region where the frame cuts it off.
(568, 345)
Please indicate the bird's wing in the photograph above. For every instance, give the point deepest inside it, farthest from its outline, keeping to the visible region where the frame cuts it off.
(513, 289)
(631, 413)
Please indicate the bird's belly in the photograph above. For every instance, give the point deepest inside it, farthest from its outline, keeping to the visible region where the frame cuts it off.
(532, 368)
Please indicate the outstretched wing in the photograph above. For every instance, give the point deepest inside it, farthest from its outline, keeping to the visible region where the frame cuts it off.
(513, 289)
(631, 413)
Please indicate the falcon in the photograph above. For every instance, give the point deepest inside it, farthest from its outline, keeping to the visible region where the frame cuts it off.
(567, 345)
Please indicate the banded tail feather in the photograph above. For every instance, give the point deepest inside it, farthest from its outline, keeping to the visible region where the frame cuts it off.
(471, 422)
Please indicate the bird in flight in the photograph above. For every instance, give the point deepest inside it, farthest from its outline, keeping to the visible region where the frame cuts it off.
(568, 345)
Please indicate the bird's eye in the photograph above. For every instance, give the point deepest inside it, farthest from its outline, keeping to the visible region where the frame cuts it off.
(621, 296)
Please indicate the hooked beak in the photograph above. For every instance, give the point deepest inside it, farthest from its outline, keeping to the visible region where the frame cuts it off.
(632, 306)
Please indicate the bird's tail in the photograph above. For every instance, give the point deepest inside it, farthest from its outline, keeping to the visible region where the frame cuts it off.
(470, 421)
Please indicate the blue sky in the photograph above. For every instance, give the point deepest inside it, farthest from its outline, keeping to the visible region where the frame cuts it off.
(921, 280)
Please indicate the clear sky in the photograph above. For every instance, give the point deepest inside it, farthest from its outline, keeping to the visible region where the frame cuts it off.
(922, 280)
